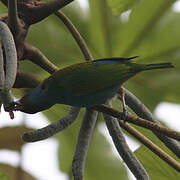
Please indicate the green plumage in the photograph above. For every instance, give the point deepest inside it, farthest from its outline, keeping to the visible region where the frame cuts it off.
(88, 77)
(85, 84)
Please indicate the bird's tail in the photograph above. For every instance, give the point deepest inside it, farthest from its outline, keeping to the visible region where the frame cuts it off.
(144, 67)
(158, 66)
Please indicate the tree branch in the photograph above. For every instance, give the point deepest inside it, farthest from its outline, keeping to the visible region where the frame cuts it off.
(38, 58)
(142, 111)
(138, 121)
(13, 20)
(53, 128)
(7, 79)
(83, 142)
(2, 78)
(26, 80)
(11, 56)
(123, 149)
(78, 38)
(2, 74)
(40, 10)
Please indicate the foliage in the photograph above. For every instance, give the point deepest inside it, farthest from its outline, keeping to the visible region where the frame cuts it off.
(152, 32)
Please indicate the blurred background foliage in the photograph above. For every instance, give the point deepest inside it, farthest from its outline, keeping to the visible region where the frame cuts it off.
(113, 28)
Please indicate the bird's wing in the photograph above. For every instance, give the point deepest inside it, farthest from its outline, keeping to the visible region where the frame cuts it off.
(89, 77)
(115, 60)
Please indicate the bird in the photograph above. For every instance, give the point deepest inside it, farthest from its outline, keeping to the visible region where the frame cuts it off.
(85, 84)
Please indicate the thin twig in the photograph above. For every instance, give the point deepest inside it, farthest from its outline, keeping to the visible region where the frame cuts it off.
(138, 121)
(142, 111)
(80, 41)
(43, 9)
(84, 138)
(123, 149)
(153, 147)
(53, 128)
(26, 80)
(13, 20)
(37, 57)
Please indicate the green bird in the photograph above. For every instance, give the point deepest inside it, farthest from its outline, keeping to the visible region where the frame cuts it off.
(84, 84)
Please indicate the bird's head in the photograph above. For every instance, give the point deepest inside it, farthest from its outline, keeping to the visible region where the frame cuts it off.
(35, 101)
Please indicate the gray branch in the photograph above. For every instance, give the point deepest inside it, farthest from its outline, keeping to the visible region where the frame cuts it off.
(8, 79)
(83, 142)
(11, 55)
(1, 74)
(53, 128)
(123, 149)
(37, 57)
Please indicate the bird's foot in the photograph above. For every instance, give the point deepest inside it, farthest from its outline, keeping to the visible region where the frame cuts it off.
(124, 114)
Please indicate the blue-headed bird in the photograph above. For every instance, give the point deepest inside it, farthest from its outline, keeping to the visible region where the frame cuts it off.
(84, 84)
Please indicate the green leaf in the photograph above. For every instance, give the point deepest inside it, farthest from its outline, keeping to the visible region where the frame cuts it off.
(152, 32)
(119, 6)
(162, 39)
(100, 28)
(165, 45)
(143, 19)
(3, 176)
(156, 167)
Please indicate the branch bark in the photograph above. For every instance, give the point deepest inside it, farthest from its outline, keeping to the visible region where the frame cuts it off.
(78, 38)
(26, 80)
(8, 78)
(138, 121)
(38, 58)
(84, 138)
(53, 128)
(39, 10)
(123, 149)
(13, 20)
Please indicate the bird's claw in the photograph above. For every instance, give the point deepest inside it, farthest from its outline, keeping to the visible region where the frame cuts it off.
(124, 114)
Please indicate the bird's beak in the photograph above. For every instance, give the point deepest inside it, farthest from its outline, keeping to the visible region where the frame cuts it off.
(24, 107)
